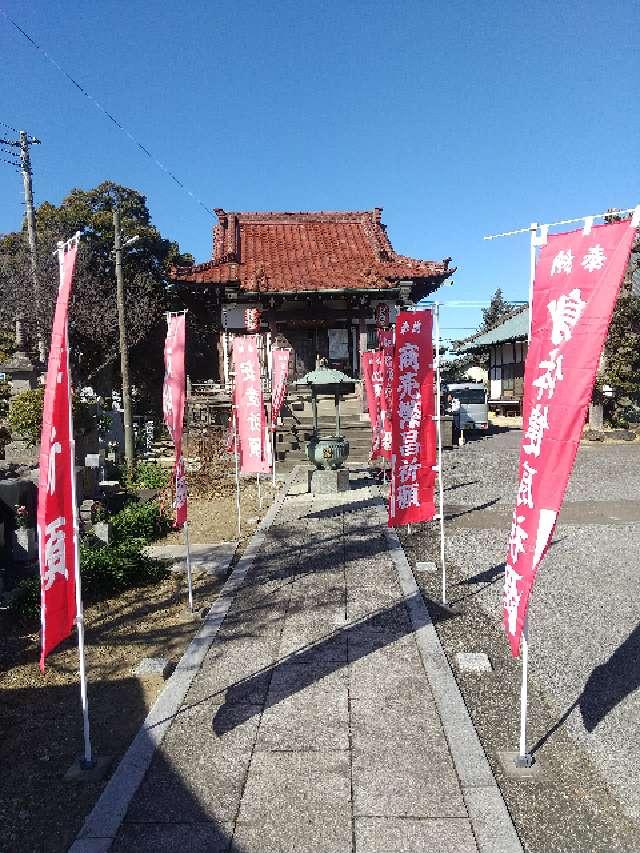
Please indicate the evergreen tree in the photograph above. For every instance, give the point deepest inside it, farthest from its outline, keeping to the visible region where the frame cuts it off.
(496, 313)
(93, 319)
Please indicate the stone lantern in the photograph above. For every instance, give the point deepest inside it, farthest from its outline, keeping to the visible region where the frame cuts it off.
(328, 452)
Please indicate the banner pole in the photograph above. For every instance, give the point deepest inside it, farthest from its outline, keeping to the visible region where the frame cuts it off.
(436, 318)
(189, 575)
(273, 457)
(87, 761)
(524, 758)
(235, 456)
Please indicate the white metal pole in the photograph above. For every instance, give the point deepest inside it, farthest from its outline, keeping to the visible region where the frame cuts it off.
(189, 574)
(532, 271)
(436, 323)
(235, 456)
(524, 759)
(87, 760)
(273, 457)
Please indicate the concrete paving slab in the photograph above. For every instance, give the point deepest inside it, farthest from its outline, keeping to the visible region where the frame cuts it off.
(406, 786)
(297, 801)
(289, 678)
(411, 835)
(313, 719)
(205, 559)
(196, 837)
(395, 725)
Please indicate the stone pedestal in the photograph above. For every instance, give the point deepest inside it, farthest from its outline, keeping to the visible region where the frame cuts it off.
(20, 372)
(327, 481)
(596, 416)
(20, 452)
(446, 429)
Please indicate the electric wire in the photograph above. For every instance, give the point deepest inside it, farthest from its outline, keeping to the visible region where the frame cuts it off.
(109, 115)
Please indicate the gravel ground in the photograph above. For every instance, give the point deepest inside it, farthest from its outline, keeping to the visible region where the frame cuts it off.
(486, 472)
(584, 650)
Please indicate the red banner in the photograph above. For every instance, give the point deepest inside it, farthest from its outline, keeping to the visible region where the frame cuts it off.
(385, 337)
(255, 456)
(372, 375)
(173, 394)
(56, 516)
(279, 376)
(413, 430)
(576, 284)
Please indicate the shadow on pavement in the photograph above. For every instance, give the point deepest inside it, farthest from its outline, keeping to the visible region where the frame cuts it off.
(606, 687)
(352, 506)
(330, 654)
(449, 516)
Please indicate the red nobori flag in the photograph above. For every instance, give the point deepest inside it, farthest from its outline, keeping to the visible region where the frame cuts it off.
(279, 376)
(372, 375)
(413, 445)
(254, 450)
(385, 337)
(57, 532)
(173, 394)
(576, 284)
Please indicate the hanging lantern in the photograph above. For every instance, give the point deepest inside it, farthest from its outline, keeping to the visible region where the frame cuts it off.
(252, 319)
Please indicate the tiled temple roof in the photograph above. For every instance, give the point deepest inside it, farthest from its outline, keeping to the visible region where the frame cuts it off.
(285, 252)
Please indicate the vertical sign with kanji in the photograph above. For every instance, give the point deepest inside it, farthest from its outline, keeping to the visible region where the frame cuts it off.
(576, 283)
(385, 338)
(279, 375)
(255, 455)
(56, 515)
(413, 431)
(173, 405)
(372, 376)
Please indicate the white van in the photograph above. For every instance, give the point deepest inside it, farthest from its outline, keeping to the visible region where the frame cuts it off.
(468, 404)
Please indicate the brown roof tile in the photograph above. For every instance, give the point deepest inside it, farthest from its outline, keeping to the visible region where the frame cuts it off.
(307, 251)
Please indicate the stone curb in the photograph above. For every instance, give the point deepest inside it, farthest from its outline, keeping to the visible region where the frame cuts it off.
(490, 820)
(103, 822)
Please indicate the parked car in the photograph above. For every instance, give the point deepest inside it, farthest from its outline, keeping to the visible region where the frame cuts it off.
(467, 402)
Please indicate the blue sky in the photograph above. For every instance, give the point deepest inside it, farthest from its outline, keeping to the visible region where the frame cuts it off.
(458, 118)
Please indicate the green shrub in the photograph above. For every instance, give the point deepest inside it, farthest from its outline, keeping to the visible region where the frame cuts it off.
(108, 569)
(24, 603)
(25, 414)
(140, 521)
(104, 570)
(149, 475)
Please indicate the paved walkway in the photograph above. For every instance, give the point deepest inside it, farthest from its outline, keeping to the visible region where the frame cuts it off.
(312, 724)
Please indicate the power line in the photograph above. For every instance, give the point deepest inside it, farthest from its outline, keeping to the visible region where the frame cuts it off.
(4, 124)
(111, 117)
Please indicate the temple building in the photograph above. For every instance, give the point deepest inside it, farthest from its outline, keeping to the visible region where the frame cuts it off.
(317, 280)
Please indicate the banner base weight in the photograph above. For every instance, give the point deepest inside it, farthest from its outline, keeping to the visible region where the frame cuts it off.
(520, 773)
(96, 772)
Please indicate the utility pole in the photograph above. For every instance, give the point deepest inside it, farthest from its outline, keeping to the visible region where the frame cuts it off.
(124, 355)
(25, 168)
